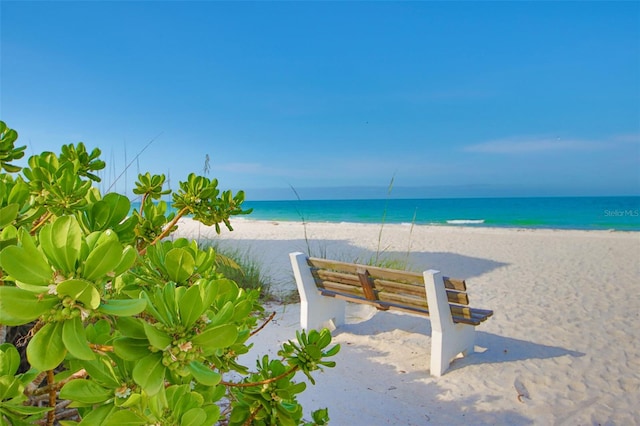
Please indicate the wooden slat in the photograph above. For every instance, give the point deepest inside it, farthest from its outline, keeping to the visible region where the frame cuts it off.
(365, 283)
(389, 304)
(404, 288)
(341, 288)
(405, 300)
(374, 271)
(337, 276)
(457, 297)
(454, 284)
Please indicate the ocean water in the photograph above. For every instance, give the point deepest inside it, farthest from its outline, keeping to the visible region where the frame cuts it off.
(602, 213)
(587, 213)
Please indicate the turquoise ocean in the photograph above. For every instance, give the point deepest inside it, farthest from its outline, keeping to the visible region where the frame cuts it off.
(587, 213)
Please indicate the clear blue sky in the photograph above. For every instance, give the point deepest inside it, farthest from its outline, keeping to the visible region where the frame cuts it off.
(451, 98)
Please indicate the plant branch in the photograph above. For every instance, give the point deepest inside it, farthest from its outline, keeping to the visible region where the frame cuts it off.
(167, 229)
(262, 382)
(100, 348)
(43, 219)
(267, 321)
(252, 417)
(51, 415)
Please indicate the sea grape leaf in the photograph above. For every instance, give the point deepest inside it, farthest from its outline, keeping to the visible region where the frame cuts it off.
(19, 307)
(25, 265)
(80, 290)
(124, 418)
(203, 374)
(128, 258)
(102, 372)
(158, 339)
(66, 237)
(104, 258)
(224, 315)
(149, 373)
(75, 339)
(46, 349)
(9, 360)
(190, 306)
(97, 415)
(213, 414)
(194, 417)
(131, 349)
(123, 307)
(130, 327)
(85, 391)
(213, 338)
(180, 264)
(8, 213)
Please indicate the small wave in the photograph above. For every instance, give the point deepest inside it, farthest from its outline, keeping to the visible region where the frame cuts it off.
(465, 221)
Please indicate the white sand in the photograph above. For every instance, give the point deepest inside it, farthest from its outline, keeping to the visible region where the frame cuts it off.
(565, 332)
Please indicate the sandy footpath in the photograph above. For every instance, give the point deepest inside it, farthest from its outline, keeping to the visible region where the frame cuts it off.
(565, 335)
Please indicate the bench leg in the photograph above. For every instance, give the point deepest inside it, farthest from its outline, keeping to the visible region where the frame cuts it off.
(315, 310)
(445, 346)
(447, 339)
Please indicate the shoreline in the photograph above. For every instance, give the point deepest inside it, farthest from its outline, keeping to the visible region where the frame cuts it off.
(564, 302)
(430, 225)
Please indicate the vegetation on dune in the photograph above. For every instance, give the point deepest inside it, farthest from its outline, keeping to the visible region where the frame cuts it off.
(122, 325)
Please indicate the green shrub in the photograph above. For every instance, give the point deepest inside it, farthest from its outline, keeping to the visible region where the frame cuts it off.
(128, 326)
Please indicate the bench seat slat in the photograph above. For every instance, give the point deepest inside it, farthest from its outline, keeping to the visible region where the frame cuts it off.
(470, 316)
(352, 291)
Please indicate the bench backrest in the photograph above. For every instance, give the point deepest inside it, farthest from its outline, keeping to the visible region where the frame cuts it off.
(389, 289)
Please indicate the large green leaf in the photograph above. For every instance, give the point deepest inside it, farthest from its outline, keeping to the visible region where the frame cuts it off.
(26, 266)
(149, 373)
(131, 349)
(102, 372)
(204, 375)
(85, 391)
(10, 387)
(75, 339)
(9, 359)
(213, 413)
(213, 338)
(97, 415)
(46, 349)
(80, 290)
(130, 327)
(190, 306)
(124, 418)
(119, 206)
(194, 417)
(19, 307)
(8, 213)
(159, 339)
(64, 240)
(224, 315)
(180, 264)
(129, 256)
(104, 258)
(123, 307)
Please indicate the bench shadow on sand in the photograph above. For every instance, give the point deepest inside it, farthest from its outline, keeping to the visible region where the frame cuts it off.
(492, 348)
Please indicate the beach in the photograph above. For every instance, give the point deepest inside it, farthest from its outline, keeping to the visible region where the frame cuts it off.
(561, 348)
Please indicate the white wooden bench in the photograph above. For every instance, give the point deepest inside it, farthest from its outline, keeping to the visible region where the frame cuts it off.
(326, 285)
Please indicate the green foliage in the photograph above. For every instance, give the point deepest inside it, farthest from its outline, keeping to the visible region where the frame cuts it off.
(201, 198)
(8, 150)
(139, 329)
